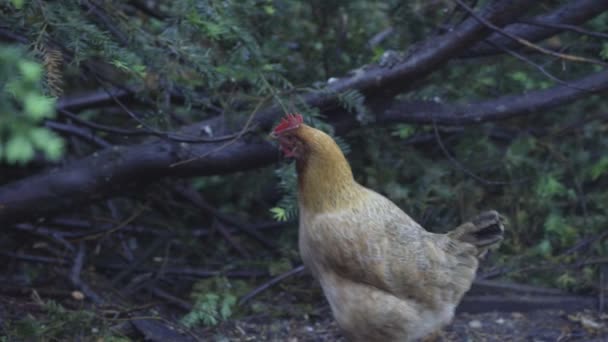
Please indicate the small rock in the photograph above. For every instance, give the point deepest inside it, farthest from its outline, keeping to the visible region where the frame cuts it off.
(590, 324)
(475, 324)
(500, 321)
(517, 315)
(77, 295)
(208, 130)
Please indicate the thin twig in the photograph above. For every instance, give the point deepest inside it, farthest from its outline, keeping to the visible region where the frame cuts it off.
(158, 242)
(170, 298)
(53, 234)
(200, 202)
(226, 234)
(461, 167)
(34, 258)
(572, 28)
(175, 270)
(75, 276)
(603, 282)
(172, 136)
(146, 8)
(574, 171)
(95, 98)
(101, 228)
(124, 223)
(77, 132)
(547, 266)
(536, 65)
(579, 123)
(234, 138)
(104, 128)
(107, 22)
(127, 252)
(179, 270)
(527, 43)
(270, 284)
(587, 242)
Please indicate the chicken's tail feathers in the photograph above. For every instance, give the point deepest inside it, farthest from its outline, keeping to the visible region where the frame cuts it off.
(484, 231)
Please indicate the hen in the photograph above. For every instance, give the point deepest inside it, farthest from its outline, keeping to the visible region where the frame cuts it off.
(385, 277)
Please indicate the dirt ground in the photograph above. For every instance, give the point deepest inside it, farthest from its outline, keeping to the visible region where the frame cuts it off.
(282, 320)
(534, 326)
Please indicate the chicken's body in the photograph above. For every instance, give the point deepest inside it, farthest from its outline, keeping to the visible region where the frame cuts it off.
(386, 278)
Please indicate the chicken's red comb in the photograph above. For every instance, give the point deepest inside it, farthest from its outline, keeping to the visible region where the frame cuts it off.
(289, 122)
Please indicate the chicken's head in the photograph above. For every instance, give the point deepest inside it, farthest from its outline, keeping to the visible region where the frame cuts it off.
(286, 134)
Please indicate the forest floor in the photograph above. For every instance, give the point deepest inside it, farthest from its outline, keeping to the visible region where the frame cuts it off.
(534, 326)
(285, 315)
(491, 311)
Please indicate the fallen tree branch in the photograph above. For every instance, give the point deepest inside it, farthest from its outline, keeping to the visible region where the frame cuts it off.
(80, 133)
(572, 13)
(109, 171)
(527, 43)
(519, 303)
(96, 98)
(426, 57)
(566, 27)
(504, 107)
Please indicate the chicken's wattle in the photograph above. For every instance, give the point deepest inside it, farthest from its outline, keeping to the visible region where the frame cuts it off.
(288, 146)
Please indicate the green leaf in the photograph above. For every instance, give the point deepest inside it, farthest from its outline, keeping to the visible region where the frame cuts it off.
(269, 9)
(40, 136)
(19, 150)
(280, 266)
(279, 214)
(566, 281)
(554, 223)
(13, 87)
(31, 71)
(39, 107)
(604, 51)
(404, 131)
(556, 226)
(544, 248)
(17, 3)
(136, 69)
(29, 327)
(549, 186)
(523, 79)
(213, 30)
(599, 168)
(226, 308)
(47, 141)
(518, 152)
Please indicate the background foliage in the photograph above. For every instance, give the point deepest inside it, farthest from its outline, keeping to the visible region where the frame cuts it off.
(173, 63)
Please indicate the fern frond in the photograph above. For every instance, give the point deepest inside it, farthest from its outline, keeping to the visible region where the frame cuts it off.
(288, 204)
(354, 101)
(52, 59)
